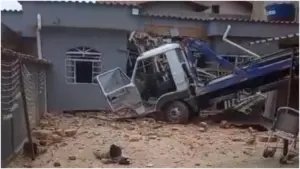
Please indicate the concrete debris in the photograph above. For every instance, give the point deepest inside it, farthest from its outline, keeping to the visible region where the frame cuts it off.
(27, 166)
(60, 132)
(149, 165)
(180, 143)
(56, 138)
(202, 129)
(129, 127)
(41, 150)
(197, 164)
(251, 130)
(100, 155)
(115, 126)
(224, 124)
(63, 144)
(204, 125)
(96, 134)
(70, 132)
(237, 139)
(43, 142)
(152, 137)
(106, 161)
(247, 152)
(44, 123)
(126, 136)
(175, 128)
(41, 134)
(264, 138)
(72, 158)
(56, 164)
(157, 126)
(123, 161)
(134, 138)
(165, 134)
(251, 140)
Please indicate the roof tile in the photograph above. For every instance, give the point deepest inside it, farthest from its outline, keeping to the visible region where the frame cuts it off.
(217, 18)
(274, 39)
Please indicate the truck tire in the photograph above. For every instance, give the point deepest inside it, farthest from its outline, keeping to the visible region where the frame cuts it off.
(177, 112)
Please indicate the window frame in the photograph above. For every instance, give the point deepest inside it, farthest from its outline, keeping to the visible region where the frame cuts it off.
(82, 54)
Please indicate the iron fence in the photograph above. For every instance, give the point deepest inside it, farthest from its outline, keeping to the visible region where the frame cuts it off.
(20, 75)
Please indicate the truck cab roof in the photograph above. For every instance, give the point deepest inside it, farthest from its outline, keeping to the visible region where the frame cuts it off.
(158, 50)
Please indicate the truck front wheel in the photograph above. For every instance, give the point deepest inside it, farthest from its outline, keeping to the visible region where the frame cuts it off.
(177, 112)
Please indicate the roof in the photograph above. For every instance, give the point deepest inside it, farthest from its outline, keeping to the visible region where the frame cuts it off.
(290, 36)
(9, 52)
(140, 3)
(190, 16)
(196, 16)
(159, 50)
(121, 3)
(11, 10)
(216, 18)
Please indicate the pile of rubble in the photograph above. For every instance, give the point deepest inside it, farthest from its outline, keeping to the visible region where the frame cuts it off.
(49, 132)
(55, 131)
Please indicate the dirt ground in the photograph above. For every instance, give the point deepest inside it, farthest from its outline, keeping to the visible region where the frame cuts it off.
(150, 144)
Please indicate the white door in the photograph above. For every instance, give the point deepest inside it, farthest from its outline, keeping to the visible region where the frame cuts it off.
(119, 92)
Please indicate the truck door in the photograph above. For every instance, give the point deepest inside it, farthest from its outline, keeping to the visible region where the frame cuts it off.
(119, 91)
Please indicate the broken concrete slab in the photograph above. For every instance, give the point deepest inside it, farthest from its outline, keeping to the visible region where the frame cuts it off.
(60, 132)
(41, 134)
(56, 138)
(70, 132)
(72, 157)
(202, 129)
(134, 138)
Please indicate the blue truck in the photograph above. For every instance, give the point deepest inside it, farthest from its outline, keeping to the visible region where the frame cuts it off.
(165, 80)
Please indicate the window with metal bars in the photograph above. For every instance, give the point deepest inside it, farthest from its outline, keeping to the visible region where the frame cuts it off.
(82, 64)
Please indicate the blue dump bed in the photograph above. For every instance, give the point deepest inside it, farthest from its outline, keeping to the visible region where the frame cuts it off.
(254, 74)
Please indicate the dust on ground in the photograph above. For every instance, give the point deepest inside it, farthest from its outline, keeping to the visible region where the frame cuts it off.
(148, 143)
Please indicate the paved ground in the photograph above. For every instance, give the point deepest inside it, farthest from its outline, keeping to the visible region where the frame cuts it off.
(151, 144)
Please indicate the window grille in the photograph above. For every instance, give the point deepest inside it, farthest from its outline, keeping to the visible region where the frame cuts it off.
(79, 55)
